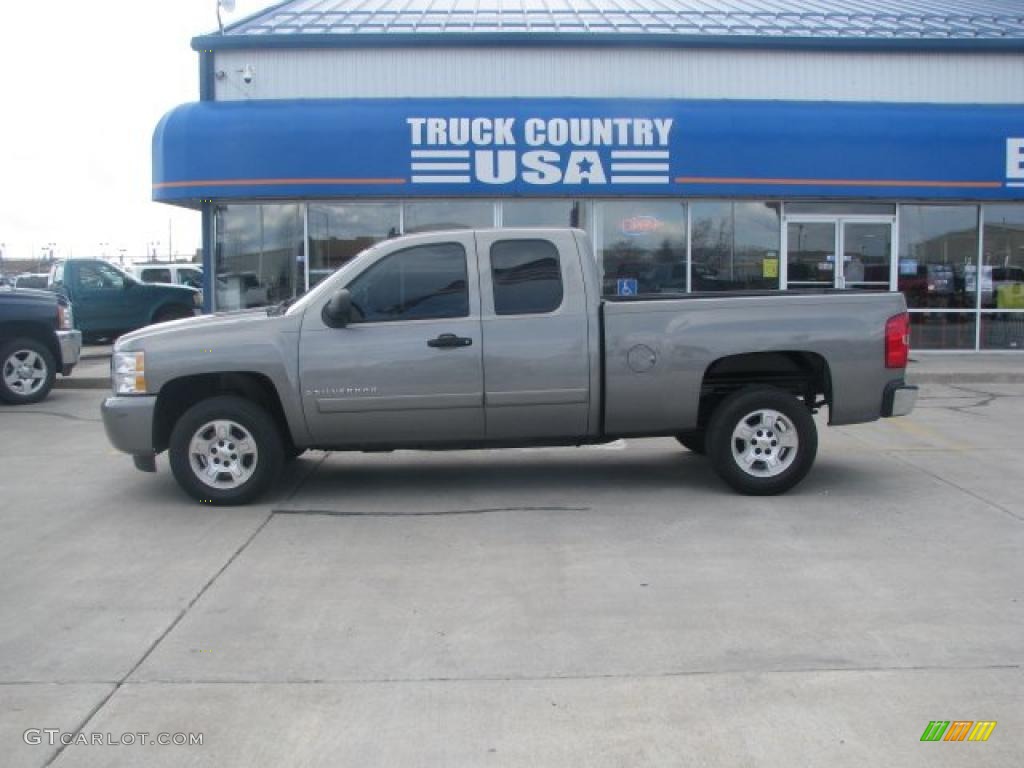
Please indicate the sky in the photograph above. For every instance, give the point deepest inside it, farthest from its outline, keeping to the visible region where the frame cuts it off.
(83, 84)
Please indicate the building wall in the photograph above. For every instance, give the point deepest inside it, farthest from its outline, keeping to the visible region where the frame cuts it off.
(526, 72)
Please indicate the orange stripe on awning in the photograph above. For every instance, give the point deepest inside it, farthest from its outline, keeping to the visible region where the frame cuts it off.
(840, 182)
(271, 182)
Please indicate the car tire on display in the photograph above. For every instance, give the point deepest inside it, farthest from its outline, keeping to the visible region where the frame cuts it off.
(762, 441)
(694, 442)
(27, 371)
(225, 450)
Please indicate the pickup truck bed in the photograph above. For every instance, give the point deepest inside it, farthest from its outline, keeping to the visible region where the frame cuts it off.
(500, 338)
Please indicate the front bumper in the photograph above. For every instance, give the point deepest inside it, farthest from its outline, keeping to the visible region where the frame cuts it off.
(129, 423)
(70, 350)
(899, 399)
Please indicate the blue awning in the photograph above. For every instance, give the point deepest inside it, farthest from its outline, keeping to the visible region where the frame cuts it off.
(587, 148)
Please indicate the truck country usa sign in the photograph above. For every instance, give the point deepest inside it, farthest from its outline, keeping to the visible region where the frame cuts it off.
(380, 148)
(540, 151)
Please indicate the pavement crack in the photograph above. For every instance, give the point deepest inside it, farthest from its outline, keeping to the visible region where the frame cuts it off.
(436, 513)
(951, 484)
(153, 646)
(681, 673)
(68, 416)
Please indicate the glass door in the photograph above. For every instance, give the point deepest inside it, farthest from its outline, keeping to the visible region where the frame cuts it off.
(811, 253)
(839, 252)
(867, 255)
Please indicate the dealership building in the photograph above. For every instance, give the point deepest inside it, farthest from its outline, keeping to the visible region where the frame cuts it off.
(859, 144)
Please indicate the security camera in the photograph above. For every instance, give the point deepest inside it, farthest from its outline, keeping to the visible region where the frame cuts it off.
(248, 73)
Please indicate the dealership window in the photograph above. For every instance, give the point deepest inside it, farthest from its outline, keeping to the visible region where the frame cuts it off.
(258, 254)
(527, 277)
(1002, 277)
(735, 246)
(541, 213)
(427, 215)
(938, 256)
(420, 283)
(641, 245)
(339, 232)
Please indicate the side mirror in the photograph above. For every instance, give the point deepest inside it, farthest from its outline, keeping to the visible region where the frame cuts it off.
(338, 311)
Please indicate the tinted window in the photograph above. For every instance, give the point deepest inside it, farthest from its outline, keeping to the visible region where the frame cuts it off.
(156, 275)
(193, 278)
(421, 283)
(527, 278)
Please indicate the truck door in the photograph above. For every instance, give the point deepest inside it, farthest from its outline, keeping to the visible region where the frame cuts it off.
(536, 342)
(409, 368)
(97, 295)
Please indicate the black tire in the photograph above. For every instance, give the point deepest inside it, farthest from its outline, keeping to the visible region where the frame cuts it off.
(250, 417)
(16, 354)
(694, 442)
(745, 404)
(172, 312)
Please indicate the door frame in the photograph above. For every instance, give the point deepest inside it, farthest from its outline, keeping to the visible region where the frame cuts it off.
(839, 220)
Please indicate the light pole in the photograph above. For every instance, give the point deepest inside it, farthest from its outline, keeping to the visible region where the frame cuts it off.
(103, 249)
(151, 249)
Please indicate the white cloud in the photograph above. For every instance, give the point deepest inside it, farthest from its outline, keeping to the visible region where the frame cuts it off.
(83, 85)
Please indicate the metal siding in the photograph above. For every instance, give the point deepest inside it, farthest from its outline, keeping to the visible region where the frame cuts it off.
(624, 73)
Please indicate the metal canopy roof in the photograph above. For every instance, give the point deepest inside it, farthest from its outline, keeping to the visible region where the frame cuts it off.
(825, 23)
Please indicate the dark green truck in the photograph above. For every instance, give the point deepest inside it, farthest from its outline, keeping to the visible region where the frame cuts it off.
(109, 302)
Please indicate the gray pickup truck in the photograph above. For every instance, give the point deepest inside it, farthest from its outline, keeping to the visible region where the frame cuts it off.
(501, 338)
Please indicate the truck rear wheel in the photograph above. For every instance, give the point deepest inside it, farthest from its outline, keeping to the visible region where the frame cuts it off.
(762, 441)
(27, 371)
(225, 450)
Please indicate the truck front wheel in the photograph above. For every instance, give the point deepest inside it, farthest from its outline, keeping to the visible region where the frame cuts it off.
(27, 371)
(762, 441)
(225, 450)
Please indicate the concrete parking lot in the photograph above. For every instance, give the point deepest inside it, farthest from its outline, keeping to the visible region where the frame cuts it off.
(609, 606)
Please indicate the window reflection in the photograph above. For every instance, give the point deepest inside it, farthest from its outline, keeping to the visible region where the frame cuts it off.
(938, 255)
(427, 215)
(735, 246)
(540, 213)
(339, 232)
(642, 246)
(1002, 272)
(258, 254)
(942, 330)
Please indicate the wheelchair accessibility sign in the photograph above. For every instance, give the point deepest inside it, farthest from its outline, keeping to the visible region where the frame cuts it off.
(626, 286)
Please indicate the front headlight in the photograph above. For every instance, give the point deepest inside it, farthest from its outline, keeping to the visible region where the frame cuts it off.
(128, 373)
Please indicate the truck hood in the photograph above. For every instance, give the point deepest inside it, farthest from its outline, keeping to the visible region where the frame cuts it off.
(198, 327)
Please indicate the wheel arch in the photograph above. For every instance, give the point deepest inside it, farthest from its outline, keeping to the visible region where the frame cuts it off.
(802, 373)
(180, 394)
(37, 331)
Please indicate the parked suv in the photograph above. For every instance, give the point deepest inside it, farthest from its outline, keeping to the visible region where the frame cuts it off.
(169, 274)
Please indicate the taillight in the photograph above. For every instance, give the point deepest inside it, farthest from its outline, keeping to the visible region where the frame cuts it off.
(897, 341)
(65, 322)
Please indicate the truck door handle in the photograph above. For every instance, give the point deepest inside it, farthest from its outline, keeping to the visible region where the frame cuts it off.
(450, 340)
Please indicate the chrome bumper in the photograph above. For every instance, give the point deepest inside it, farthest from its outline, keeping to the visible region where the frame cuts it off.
(70, 350)
(129, 423)
(899, 399)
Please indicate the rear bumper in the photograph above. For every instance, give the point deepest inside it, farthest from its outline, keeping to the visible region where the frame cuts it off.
(70, 350)
(129, 423)
(899, 399)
